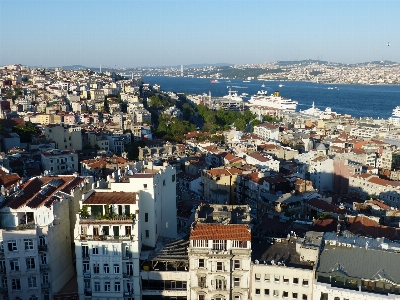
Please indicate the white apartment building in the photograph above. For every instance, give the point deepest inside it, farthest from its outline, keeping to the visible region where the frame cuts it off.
(156, 189)
(267, 131)
(263, 161)
(59, 161)
(36, 260)
(219, 256)
(283, 268)
(107, 246)
(66, 137)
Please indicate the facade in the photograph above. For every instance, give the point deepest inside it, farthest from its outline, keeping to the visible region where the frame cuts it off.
(219, 255)
(58, 161)
(65, 137)
(267, 131)
(36, 260)
(107, 246)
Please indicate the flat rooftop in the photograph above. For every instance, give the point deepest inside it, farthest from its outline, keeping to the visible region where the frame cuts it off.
(278, 250)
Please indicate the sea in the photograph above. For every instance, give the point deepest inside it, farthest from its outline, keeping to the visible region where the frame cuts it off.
(376, 101)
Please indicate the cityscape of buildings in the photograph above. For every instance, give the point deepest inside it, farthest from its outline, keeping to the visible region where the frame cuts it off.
(305, 207)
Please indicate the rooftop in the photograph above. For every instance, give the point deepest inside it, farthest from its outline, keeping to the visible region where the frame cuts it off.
(280, 250)
(111, 198)
(237, 232)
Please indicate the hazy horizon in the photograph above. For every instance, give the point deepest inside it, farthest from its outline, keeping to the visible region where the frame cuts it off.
(131, 34)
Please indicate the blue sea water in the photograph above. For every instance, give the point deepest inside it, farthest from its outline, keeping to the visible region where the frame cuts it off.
(375, 101)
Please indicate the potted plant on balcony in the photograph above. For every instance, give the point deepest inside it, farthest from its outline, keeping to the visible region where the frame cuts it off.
(84, 212)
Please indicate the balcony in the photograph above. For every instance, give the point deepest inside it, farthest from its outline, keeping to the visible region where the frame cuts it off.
(105, 237)
(44, 267)
(128, 294)
(88, 292)
(127, 274)
(85, 256)
(2, 271)
(127, 256)
(86, 274)
(45, 286)
(42, 248)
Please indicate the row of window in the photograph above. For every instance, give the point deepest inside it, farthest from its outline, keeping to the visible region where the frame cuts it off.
(108, 287)
(220, 264)
(30, 262)
(278, 278)
(28, 244)
(106, 268)
(285, 294)
(32, 282)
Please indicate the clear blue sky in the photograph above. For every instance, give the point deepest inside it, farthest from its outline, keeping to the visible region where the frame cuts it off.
(139, 33)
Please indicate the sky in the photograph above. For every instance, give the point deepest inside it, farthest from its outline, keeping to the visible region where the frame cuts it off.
(136, 33)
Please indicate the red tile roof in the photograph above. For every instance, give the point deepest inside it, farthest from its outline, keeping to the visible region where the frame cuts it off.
(111, 198)
(237, 232)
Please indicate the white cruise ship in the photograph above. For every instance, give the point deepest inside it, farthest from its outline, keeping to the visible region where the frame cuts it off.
(272, 101)
(395, 118)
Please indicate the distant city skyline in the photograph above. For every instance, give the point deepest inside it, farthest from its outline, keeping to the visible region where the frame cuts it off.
(119, 34)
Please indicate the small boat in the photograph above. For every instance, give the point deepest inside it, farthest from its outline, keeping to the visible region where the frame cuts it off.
(246, 80)
(263, 85)
(281, 85)
(214, 81)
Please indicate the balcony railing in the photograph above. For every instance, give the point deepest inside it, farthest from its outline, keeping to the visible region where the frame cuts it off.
(44, 267)
(45, 286)
(127, 256)
(42, 248)
(105, 237)
(127, 274)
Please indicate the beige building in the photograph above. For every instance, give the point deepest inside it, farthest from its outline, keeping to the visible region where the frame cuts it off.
(66, 137)
(59, 162)
(220, 254)
(46, 119)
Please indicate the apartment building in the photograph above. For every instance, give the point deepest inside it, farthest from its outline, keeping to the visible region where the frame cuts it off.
(367, 184)
(283, 267)
(66, 137)
(267, 131)
(35, 243)
(107, 246)
(59, 161)
(220, 254)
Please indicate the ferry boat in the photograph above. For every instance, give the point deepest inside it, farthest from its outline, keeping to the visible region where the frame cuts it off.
(272, 101)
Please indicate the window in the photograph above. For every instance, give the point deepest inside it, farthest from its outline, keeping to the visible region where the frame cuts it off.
(266, 292)
(305, 282)
(219, 265)
(257, 277)
(28, 244)
(201, 263)
(14, 264)
(236, 282)
(147, 234)
(286, 279)
(304, 297)
(267, 277)
(32, 282)
(96, 268)
(236, 264)
(105, 250)
(277, 278)
(116, 268)
(146, 217)
(258, 292)
(294, 295)
(106, 268)
(117, 286)
(295, 281)
(219, 245)
(145, 186)
(95, 250)
(4, 283)
(44, 259)
(276, 293)
(30, 262)
(285, 294)
(45, 278)
(173, 178)
(16, 284)
(86, 267)
(115, 250)
(97, 286)
(12, 246)
(107, 286)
